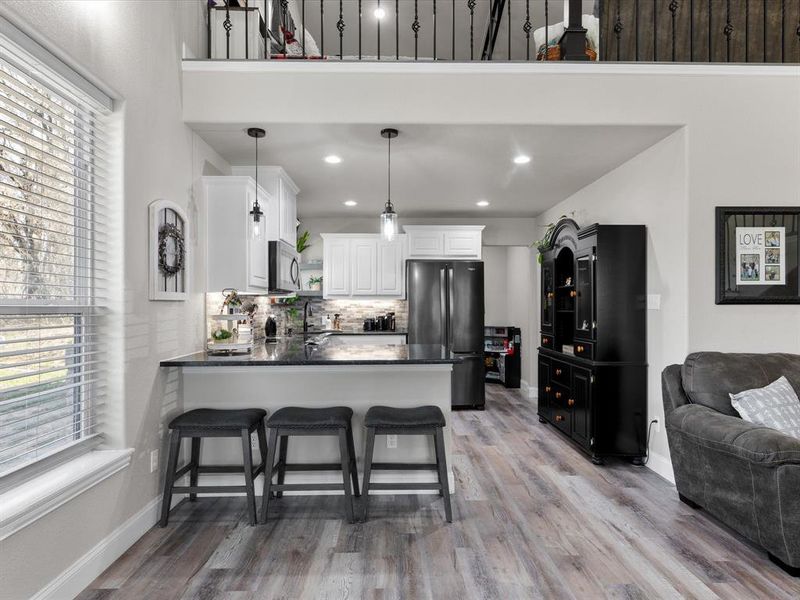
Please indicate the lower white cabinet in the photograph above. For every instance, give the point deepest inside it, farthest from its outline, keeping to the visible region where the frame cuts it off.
(238, 251)
(461, 242)
(362, 265)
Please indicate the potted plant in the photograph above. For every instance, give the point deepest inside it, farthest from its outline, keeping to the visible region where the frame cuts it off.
(315, 283)
(302, 241)
(543, 244)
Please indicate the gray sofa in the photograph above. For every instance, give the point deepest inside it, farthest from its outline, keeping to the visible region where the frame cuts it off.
(746, 475)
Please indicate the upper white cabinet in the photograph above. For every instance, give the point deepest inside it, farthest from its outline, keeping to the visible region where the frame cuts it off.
(444, 241)
(237, 250)
(282, 210)
(362, 265)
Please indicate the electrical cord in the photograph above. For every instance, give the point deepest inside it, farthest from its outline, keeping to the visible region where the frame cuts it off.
(647, 443)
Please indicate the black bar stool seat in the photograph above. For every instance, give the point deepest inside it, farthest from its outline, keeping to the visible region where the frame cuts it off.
(207, 422)
(418, 420)
(298, 421)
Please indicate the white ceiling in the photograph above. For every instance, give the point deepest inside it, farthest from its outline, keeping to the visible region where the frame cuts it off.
(437, 170)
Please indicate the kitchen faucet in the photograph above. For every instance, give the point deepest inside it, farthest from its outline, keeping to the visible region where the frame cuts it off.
(307, 312)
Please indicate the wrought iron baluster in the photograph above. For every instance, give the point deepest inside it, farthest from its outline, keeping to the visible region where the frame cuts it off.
(526, 27)
(618, 29)
(728, 30)
(673, 8)
(340, 26)
(453, 35)
(710, 29)
(797, 31)
(783, 31)
(546, 28)
(360, 14)
(746, 31)
(397, 29)
(691, 31)
(246, 33)
(322, 27)
(227, 25)
(379, 31)
(471, 7)
(284, 23)
(434, 29)
(764, 31)
(636, 31)
(509, 29)
(302, 18)
(655, 32)
(415, 27)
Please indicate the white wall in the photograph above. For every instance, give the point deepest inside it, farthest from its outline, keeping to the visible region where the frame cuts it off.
(495, 281)
(133, 48)
(521, 294)
(650, 189)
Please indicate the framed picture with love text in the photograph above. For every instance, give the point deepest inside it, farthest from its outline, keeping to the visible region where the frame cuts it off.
(758, 255)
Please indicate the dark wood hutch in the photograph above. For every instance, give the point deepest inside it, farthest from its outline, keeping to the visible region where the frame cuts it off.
(593, 351)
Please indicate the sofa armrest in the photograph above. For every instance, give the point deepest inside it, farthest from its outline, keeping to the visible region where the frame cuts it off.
(754, 443)
(672, 392)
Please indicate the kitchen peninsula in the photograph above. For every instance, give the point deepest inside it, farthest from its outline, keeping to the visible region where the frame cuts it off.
(322, 371)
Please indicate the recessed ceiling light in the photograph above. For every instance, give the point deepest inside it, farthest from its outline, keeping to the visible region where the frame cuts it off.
(332, 159)
(379, 13)
(522, 159)
(482, 203)
(350, 203)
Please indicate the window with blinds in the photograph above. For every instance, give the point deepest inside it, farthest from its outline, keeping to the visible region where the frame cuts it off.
(53, 186)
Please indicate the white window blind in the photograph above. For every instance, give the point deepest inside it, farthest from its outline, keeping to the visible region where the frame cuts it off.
(53, 262)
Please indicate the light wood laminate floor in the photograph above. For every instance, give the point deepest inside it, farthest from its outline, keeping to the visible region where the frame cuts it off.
(533, 519)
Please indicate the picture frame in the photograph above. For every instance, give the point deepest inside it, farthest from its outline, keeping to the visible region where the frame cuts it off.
(758, 255)
(169, 251)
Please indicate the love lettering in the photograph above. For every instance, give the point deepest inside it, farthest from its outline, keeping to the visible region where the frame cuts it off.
(751, 239)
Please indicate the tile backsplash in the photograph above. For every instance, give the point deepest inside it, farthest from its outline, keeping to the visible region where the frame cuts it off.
(352, 312)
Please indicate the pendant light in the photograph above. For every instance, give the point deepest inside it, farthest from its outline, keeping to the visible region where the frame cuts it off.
(388, 216)
(256, 133)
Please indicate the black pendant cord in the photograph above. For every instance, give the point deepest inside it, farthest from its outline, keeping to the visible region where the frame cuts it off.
(389, 177)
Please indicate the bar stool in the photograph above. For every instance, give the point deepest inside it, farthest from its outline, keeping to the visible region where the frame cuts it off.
(295, 421)
(420, 420)
(206, 422)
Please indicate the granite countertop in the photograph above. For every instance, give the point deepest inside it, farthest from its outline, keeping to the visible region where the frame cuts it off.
(313, 331)
(294, 351)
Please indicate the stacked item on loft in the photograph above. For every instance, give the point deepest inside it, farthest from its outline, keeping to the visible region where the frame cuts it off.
(554, 33)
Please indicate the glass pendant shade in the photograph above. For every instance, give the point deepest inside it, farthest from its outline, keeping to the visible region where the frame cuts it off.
(388, 223)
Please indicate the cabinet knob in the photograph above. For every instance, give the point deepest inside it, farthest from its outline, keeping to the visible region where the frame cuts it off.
(573, 294)
(558, 371)
(547, 388)
(559, 418)
(545, 340)
(558, 394)
(550, 295)
(579, 348)
(571, 402)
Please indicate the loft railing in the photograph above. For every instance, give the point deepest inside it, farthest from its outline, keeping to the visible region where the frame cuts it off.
(762, 31)
(455, 30)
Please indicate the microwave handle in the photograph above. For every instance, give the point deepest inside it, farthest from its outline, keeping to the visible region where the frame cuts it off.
(294, 272)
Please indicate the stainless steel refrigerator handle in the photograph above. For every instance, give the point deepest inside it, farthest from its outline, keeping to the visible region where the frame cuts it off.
(451, 294)
(443, 305)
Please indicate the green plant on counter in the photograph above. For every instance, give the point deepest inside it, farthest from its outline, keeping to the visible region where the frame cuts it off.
(302, 241)
(221, 334)
(314, 280)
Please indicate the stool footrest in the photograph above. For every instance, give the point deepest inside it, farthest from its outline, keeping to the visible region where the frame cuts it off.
(404, 486)
(305, 487)
(208, 489)
(314, 467)
(398, 466)
(228, 469)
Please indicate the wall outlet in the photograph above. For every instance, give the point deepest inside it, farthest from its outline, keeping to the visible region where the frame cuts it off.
(653, 301)
(391, 441)
(154, 461)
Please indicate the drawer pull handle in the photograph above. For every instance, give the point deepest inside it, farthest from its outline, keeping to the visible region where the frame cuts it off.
(559, 418)
(550, 295)
(558, 371)
(571, 402)
(547, 388)
(580, 348)
(573, 293)
(558, 394)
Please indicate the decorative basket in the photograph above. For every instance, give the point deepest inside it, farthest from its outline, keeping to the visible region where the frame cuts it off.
(554, 52)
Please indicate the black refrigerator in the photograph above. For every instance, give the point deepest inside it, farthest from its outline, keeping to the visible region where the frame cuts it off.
(445, 306)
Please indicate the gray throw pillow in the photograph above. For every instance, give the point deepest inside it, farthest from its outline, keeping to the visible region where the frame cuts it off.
(775, 405)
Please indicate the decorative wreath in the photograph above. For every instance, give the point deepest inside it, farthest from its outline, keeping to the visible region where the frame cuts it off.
(165, 233)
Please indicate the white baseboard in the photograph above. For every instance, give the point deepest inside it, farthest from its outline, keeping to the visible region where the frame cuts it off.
(87, 568)
(528, 391)
(661, 465)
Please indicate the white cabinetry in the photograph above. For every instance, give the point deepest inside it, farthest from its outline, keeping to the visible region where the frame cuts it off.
(444, 241)
(237, 250)
(363, 265)
(282, 210)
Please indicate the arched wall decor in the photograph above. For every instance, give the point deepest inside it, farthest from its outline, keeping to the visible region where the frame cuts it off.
(169, 251)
